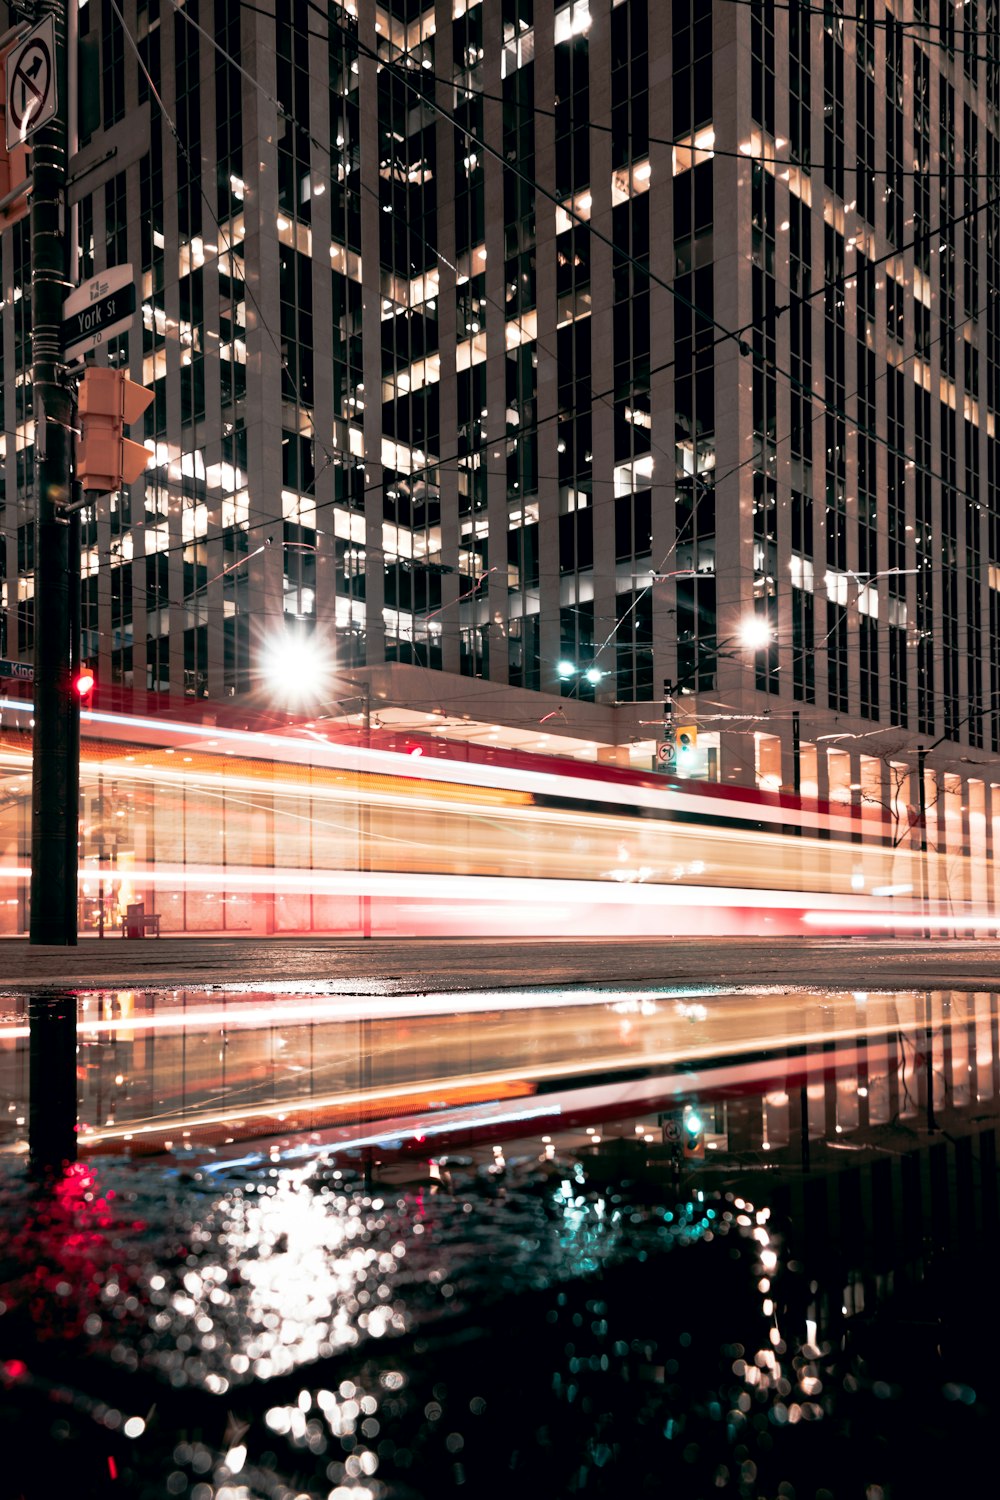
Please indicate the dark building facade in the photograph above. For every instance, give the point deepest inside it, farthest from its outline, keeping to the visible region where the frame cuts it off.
(521, 352)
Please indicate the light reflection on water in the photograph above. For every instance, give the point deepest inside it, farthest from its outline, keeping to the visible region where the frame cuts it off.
(286, 1331)
(209, 1068)
(587, 1311)
(234, 1289)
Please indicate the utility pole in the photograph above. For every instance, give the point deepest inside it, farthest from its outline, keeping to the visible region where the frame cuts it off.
(55, 748)
(670, 761)
(922, 809)
(52, 1108)
(796, 753)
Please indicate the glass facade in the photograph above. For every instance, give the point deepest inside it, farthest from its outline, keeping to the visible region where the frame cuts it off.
(540, 346)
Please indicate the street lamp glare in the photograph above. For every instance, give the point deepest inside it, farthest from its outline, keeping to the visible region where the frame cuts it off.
(593, 675)
(565, 669)
(297, 669)
(755, 633)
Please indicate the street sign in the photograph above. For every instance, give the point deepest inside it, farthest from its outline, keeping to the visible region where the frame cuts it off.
(31, 83)
(97, 310)
(23, 671)
(666, 753)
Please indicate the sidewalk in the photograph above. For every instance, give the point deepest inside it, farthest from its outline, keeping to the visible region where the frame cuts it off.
(406, 965)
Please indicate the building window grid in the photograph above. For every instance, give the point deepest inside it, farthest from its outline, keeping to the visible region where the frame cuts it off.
(571, 59)
(800, 329)
(762, 64)
(632, 437)
(411, 403)
(971, 226)
(836, 476)
(345, 134)
(694, 475)
(629, 84)
(950, 584)
(800, 81)
(970, 41)
(833, 99)
(924, 548)
(896, 472)
(992, 341)
(992, 40)
(292, 37)
(921, 91)
(230, 187)
(148, 40)
(945, 234)
(867, 496)
(993, 556)
(896, 530)
(865, 111)
(187, 63)
(692, 65)
(973, 587)
(895, 95)
(469, 159)
(113, 64)
(765, 420)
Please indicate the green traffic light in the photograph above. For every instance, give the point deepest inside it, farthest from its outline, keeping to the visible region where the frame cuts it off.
(692, 1124)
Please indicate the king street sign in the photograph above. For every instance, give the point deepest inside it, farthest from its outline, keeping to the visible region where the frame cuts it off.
(22, 671)
(97, 310)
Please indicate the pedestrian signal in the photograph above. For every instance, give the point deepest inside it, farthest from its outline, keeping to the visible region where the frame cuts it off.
(107, 403)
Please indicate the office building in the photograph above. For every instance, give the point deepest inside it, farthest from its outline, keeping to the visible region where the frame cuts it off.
(519, 353)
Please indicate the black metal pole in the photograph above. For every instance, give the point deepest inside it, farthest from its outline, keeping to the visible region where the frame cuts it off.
(73, 730)
(52, 1111)
(922, 813)
(55, 749)
(52, 1118)
(796, 753)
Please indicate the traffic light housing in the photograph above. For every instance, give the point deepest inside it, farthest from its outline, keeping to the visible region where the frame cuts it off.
(687, 742)
(693, 1135)
(83, 683)
(107, 403)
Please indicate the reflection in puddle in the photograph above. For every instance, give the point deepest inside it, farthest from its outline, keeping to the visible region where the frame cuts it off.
(164, 1070)
(736, 1244)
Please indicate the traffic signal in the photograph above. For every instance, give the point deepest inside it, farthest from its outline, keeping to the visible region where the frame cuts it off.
(83, 684)
(687, 742)
(694, 1135)
(107, 402)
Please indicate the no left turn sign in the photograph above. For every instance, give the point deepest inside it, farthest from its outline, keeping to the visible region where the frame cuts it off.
(31, 83)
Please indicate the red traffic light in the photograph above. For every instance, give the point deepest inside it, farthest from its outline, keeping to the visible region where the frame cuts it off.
(83, 682)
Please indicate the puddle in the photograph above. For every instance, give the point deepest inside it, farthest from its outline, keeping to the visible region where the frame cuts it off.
(759, 1271)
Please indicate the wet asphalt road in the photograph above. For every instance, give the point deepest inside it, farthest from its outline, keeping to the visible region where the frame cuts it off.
(404, 966)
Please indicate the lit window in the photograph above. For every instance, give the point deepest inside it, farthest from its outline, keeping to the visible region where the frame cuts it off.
(801, 569)
(571, 20)
(692, 151)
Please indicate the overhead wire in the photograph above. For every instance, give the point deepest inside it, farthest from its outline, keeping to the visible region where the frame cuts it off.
(724, 333)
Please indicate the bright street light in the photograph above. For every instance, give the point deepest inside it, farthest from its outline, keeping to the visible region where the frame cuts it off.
(755, 633)
(297, 669)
